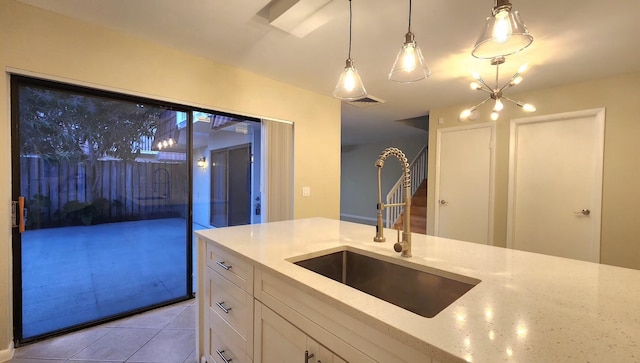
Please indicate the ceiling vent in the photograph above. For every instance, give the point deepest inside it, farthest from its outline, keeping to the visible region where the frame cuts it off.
(366, 101)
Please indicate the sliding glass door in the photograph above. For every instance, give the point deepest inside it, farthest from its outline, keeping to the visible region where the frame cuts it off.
(112, 188)
(105, 184)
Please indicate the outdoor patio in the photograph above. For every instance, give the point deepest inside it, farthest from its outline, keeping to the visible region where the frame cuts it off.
(76, 274)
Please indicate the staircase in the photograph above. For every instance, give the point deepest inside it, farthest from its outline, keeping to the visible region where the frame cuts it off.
(394, 214)
(418, 211)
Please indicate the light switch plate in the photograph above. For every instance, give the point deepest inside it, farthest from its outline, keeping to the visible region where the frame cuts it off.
(306, 191)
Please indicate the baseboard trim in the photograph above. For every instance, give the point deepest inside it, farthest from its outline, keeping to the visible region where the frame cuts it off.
(358, 219)
(7, 354)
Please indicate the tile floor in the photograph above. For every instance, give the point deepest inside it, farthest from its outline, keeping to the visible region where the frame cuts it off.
(163, 335)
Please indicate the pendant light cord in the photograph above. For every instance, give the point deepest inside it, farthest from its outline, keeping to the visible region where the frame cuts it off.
(409, 16)
(350, 22)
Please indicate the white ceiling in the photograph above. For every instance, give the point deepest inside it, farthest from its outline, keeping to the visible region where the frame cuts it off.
(574, 40)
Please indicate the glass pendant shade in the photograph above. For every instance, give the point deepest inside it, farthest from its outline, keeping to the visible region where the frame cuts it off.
(504, 34)
(350, 86)
(409, 65)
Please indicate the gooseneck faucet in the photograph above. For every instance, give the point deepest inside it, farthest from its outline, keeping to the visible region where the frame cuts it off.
(404, 245)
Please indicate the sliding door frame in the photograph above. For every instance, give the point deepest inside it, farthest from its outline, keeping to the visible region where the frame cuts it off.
(16, 81)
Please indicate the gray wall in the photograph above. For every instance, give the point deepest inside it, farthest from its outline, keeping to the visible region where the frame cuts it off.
(358, 182)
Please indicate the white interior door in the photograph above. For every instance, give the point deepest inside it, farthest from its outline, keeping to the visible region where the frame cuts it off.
(464, 183)
(555, 184)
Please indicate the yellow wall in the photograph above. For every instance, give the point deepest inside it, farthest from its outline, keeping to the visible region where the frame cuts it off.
(619, 95)
(33, 41)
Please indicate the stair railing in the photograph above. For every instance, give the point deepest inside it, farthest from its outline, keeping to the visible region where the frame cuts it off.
(418, 168)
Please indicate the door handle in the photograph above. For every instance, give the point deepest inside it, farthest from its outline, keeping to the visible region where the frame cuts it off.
(21, 214)
(17, 214)
(443, 202)
(307, 356)
(584, 212)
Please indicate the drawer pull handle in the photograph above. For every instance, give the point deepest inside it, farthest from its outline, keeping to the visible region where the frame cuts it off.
(221, 264)
(307, 356)
(221, 306)
(221, 354)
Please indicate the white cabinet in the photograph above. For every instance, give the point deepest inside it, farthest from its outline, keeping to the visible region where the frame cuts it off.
(228, 307)
(343, 333)
(278, 341)
(249, 314)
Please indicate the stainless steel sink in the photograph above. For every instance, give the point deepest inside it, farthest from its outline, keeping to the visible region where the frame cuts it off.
(418, 291)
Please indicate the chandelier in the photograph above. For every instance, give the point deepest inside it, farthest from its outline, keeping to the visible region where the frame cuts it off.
(496, 93)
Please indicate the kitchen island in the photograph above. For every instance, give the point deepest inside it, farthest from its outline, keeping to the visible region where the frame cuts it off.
(526, 307)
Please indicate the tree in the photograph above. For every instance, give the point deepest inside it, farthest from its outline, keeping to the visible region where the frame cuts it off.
(63, 126)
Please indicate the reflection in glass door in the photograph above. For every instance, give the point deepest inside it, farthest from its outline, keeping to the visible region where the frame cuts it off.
(231, 186)
(105, 180)
(219, 214)
(239, 176)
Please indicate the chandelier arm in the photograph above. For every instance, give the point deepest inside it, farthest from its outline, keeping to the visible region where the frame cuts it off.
(517, 103)
(479, 79)
(480, 104)
(485, 90)
(506, 85)
(510, 82)
(515, 76)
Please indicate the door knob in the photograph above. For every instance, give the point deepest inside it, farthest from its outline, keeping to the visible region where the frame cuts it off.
(443, 202)
(584, 212)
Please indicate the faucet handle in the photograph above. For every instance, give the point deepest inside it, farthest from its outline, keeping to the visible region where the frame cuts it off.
(397, 246)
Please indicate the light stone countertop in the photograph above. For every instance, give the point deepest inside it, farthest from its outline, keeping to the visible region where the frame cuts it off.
(527, 308)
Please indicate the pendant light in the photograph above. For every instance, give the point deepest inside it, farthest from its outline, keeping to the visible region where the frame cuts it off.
(349, 85)
(409, 65)
(504, 33)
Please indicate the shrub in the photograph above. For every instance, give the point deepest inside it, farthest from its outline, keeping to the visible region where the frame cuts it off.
(37, 211)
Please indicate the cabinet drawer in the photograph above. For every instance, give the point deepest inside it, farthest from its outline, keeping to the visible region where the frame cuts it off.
(223, 336)
(231, 266)
(232, 304)
(219, 349)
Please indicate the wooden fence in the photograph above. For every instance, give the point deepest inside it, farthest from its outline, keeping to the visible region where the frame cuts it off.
(61, 194)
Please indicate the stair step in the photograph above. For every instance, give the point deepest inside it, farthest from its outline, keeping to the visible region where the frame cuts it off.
(419, 201)
(418, 220)
(418, 224)
(419, 211)
(418, 229)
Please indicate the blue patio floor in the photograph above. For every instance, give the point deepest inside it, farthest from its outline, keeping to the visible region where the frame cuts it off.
(72, 275)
